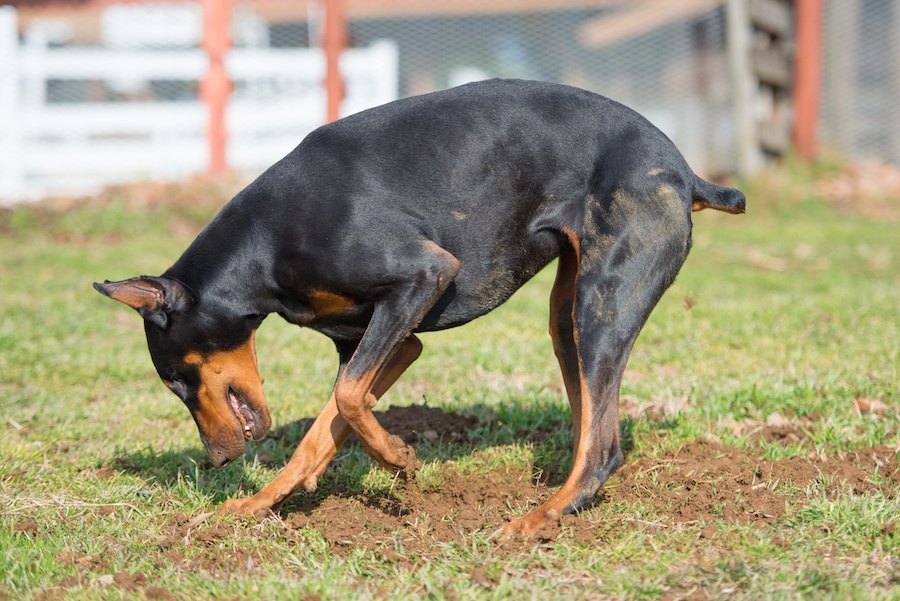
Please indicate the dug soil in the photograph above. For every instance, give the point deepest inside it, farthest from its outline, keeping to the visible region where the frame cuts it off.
(697, 484)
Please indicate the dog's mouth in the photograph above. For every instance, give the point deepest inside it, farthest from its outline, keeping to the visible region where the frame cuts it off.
(253, 425)
(242, 412)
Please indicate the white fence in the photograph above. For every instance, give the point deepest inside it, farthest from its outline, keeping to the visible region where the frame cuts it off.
(51, 148)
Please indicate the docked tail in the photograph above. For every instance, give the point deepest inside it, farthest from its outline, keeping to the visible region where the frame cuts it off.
(710, 196)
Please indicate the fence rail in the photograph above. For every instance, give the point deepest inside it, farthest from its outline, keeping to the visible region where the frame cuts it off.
(68, 147)
(111, 91)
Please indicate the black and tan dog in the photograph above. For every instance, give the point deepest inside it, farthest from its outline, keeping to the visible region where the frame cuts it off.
(421, 215)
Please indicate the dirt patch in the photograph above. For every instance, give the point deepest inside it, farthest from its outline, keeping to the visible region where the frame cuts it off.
(82, 561)
(27, 526)
(188, 530)
(212, 547)
(699, 483)
(702, 483)
(460, 505)
(186, 206)
(92, 571)
(418, 423)
(129, 582)
(870, 188)
(709, 481)
(155, 593)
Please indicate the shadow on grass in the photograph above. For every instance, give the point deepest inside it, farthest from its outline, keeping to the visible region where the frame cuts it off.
(437, 435)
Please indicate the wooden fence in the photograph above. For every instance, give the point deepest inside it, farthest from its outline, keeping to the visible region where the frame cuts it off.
(52, 147)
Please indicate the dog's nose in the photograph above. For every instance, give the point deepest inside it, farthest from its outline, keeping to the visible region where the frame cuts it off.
(217, 457)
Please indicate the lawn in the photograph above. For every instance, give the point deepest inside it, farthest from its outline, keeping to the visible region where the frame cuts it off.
(759, 418)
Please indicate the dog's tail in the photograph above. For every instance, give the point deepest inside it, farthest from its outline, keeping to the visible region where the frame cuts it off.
(709, 196)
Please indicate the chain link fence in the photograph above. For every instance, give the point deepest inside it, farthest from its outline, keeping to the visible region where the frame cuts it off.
(104, 92)
(669, 67)
(861, 79)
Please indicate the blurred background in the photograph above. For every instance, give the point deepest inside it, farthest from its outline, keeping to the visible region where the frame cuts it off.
(99, 92)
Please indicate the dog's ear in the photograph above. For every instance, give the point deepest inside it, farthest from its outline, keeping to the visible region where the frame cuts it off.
(154, 298)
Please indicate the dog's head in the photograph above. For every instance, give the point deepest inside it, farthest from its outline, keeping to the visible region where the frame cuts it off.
(205, 358)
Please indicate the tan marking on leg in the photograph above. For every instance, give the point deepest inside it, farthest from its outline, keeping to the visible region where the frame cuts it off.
(383, 338)
(579, 394)
(318, 447)
(355, 401)
(581, 424)
(551, 510)
(655, 171)
(360, 395)
(312, 455)
(564, 294)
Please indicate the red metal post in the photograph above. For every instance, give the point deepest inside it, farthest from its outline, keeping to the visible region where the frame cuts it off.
(807, 76)
(334, 40)
(216, 87)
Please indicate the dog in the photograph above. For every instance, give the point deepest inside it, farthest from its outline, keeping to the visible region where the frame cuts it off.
(420, 215)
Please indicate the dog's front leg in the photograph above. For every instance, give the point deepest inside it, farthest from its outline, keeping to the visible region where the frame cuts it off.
(310, 459)
(425, 270)
(321, 442)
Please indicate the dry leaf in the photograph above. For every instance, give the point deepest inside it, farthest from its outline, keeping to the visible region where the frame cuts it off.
(871, 406)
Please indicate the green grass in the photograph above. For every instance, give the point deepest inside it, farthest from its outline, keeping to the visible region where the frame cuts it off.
(796, 311)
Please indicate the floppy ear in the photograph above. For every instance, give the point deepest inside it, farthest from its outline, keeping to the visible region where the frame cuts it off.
(153, 298)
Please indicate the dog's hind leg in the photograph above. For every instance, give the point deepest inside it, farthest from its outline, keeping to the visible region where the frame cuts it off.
(562, 330)
(326, 435)
(625, 255)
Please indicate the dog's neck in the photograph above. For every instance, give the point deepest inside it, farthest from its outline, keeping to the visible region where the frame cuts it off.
(221, 268)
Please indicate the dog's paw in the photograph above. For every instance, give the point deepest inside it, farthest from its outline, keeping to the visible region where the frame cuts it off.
(248, 507)
(401, 457)
(532, 523)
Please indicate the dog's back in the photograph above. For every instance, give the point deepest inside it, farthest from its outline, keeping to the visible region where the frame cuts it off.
(507, 163)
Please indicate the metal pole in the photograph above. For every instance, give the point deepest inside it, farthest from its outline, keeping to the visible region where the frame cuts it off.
(334, 41)
(737, 22)
(216, 87)
(808, 76)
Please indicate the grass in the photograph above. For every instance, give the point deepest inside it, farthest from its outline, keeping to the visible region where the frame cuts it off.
(795, 311)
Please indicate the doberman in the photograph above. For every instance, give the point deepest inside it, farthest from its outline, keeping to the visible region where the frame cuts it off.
(417, 216)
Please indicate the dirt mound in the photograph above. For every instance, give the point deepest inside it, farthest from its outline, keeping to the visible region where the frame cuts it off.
(699, 483)
(710, 481)
(418, 519)
(416, 423)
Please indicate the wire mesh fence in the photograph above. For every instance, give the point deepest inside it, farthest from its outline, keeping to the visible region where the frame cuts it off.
(671, 69)
(99, 92)
(861, 79)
